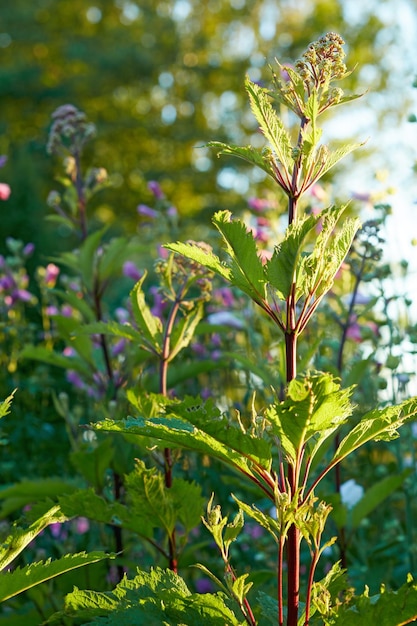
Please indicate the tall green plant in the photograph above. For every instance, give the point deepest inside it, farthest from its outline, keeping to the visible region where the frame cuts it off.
(284, 449)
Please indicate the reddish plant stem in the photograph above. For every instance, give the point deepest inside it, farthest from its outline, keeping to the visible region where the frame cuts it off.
(163, 389)
(280, 586)
(293, 538)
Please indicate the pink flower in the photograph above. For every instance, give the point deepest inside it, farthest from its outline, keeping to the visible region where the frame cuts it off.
(146, 211)
(51, 274)
(82, 524)
(5, 191)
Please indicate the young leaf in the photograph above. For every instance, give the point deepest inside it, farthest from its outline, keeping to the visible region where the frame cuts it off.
(314, 407)
(5, 406)
(20, 537)
(266, 521)
(21, 579)
(204, 258)
(376, 425)
(86, 258)
(271, 126)
(282, 269)
(39, 353)
(246, 269)
(248, 154)
(149, 324)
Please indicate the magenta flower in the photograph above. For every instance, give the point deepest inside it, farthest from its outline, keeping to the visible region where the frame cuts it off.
(82, 525)
(259, 204)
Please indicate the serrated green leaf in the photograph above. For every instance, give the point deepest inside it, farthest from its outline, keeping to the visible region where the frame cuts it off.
(247, 153)
(282, 269)
(178, 433)
(263, 519)
(204, 258)
(67, 328)
(327, 160)
(20, 537)
(240, 588)
(149, 324)
(376, 425)
(376, 494)
(315, 406)
(22, 579)
(5, 405)
(246, 269)
(271, 125)
(269, 607)
(330, 251)
(389, 608)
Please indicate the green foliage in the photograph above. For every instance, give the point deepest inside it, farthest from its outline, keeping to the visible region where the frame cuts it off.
(22, 579)
(158, 597)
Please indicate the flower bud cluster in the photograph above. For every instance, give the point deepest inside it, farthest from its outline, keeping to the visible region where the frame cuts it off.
(69, 131)
(322, 62)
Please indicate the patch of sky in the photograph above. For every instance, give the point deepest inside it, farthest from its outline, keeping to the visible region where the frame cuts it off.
(93, 15)
(168, 114)
(239, 40)
(181, 10)
(166, 80)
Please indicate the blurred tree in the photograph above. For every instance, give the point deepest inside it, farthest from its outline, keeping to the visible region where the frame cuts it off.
(159, 78)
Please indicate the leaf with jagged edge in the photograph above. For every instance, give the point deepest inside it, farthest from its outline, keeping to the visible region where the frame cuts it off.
(319, 268)
(5, 405)
(315, 406)
(240, 451)
(21, 579)
(271, 125)
(152, 598)
(388, 608)
(282, 270)
(327, 159)
(206, 259)
(270, 524)
(149, 324)
(206, 416)
(112, 328)
(376, 425)
(246, 269)
(20, 537)
(87, 503)
(247, 153)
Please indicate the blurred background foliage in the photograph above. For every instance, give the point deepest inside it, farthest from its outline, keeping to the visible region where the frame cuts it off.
(159, 79)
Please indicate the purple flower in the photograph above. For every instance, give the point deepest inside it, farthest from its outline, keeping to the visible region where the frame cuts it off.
(82, 525)
(119, 347)
(28, 249)
(204, 585)
(75, 379)
(146, 211)
(22, 294)
(3, 160)
(155, 188)
(225, 318)
(131, 271)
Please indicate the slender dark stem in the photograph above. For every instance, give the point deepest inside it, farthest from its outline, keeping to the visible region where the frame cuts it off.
(313, 565)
